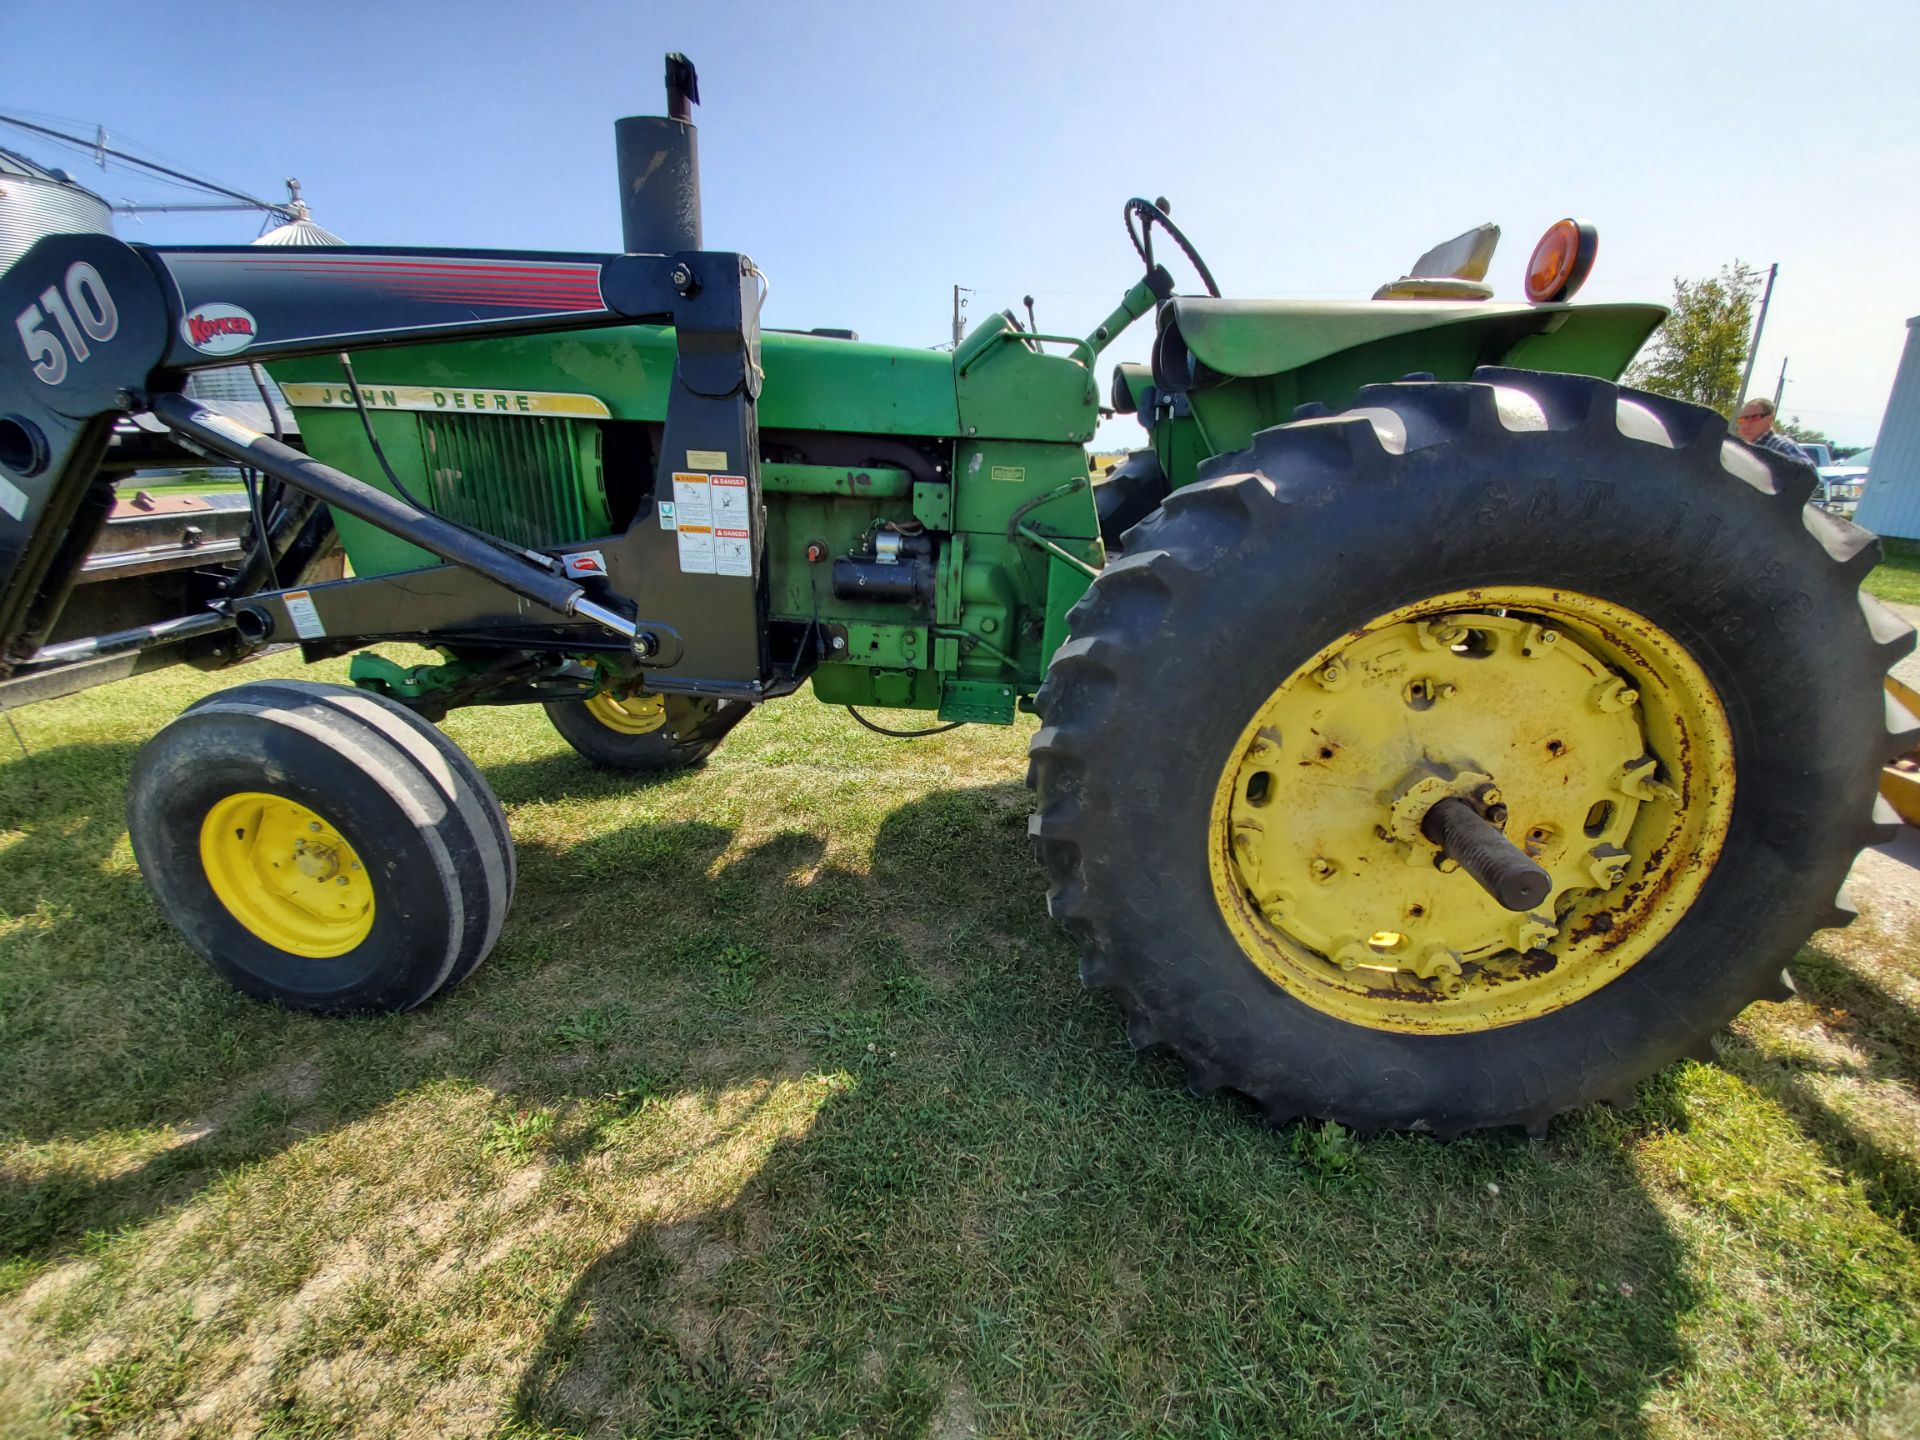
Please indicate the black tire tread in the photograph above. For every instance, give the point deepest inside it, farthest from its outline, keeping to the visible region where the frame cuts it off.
(459, 818)
(694, 728)
(1287, 475)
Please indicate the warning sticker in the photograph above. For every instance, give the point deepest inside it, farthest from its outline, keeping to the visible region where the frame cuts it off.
(729, 494)
(711, 518)
(306, 619)
(693, 520)
(732, 551)
(691, 505)
(696, 549)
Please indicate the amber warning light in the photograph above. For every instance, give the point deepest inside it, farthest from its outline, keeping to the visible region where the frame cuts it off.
(1561, 261)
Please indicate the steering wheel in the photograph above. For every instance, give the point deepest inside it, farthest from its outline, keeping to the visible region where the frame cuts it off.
(1153, 213)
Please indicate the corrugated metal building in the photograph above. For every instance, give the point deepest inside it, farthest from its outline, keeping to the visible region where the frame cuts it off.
(1891, 505)
(37, 201)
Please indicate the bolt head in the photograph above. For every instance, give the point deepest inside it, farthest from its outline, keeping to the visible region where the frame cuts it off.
(313, 825)
(1549, 637)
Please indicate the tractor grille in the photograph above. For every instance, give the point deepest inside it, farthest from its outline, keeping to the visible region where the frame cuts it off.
(534, 480)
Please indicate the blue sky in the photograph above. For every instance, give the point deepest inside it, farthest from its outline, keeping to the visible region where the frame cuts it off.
(870, 156)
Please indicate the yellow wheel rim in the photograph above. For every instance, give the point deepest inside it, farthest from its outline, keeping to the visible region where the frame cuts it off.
(1593, 728)
(283, 871)
(640, 714)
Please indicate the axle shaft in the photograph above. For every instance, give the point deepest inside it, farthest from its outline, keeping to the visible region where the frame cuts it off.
(1497, 865)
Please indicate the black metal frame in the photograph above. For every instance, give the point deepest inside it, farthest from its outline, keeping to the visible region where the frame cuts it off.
(694, 633)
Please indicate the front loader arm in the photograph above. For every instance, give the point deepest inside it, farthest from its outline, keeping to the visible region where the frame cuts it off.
(104, 328)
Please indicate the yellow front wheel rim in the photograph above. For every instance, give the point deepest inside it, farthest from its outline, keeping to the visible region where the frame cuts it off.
(285, 872)
(1586, 729)
(640, 714)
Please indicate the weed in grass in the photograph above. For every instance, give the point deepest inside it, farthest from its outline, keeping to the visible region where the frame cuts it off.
(736, 968)
(518, 1136)
(1326, 1152)
(646, 1090)
(908, 992)
(108, 1399)
(591, 1027)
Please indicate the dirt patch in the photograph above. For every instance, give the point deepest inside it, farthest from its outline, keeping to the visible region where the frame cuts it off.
(956, 1420)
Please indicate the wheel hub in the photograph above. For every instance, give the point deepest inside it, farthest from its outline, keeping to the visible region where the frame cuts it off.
(286, 874)
(1526, 704)
(637, 714)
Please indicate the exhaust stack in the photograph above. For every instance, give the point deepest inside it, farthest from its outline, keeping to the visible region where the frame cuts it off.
(659, 162)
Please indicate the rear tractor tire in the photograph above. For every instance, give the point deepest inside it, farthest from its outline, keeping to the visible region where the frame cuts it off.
(644, 732)
(1623, 638)
(321, 847)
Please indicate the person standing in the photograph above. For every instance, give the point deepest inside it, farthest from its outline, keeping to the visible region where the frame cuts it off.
(1755, 424)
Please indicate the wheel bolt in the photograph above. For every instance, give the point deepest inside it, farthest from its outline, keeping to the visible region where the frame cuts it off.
(314, 825)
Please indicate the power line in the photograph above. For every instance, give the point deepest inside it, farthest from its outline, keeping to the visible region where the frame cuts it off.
(98, 148)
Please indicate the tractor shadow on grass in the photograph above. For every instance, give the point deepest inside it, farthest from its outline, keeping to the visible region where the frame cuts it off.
(897, 1170)
(999, 1217)
(1872, 1039)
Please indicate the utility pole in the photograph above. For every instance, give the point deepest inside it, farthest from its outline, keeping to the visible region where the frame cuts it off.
(1781, 388)
(959, 325)
(1753, 351)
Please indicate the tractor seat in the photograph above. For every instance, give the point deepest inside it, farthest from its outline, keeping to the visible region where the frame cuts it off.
(1456, 270)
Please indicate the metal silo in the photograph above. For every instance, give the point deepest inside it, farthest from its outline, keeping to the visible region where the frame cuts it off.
(1891, 505)
(36, 201)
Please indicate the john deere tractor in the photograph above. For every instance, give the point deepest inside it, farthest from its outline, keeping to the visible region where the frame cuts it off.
(1427, 725)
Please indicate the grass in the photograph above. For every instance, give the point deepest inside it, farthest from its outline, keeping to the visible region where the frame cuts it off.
(778, 1111)
(1897, 576)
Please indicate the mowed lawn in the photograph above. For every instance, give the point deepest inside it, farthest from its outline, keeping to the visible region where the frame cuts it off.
(1897, 576)
(779, 1110)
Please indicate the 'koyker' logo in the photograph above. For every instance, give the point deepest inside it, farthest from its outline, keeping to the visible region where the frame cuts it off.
(218, 329)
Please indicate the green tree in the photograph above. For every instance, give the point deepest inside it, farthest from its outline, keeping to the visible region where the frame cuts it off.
(1700, 349)
(1794, 430)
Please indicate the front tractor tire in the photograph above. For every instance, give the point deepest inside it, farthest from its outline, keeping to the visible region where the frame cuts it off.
(645, 733)
(320, 847)
(1622, 638)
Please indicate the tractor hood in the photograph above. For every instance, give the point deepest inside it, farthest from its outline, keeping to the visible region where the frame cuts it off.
(1209, 339)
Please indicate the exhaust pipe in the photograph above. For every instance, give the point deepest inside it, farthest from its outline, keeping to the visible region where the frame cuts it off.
(659, 162)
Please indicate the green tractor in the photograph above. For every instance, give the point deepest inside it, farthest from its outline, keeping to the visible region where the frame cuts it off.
(1426, 722)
